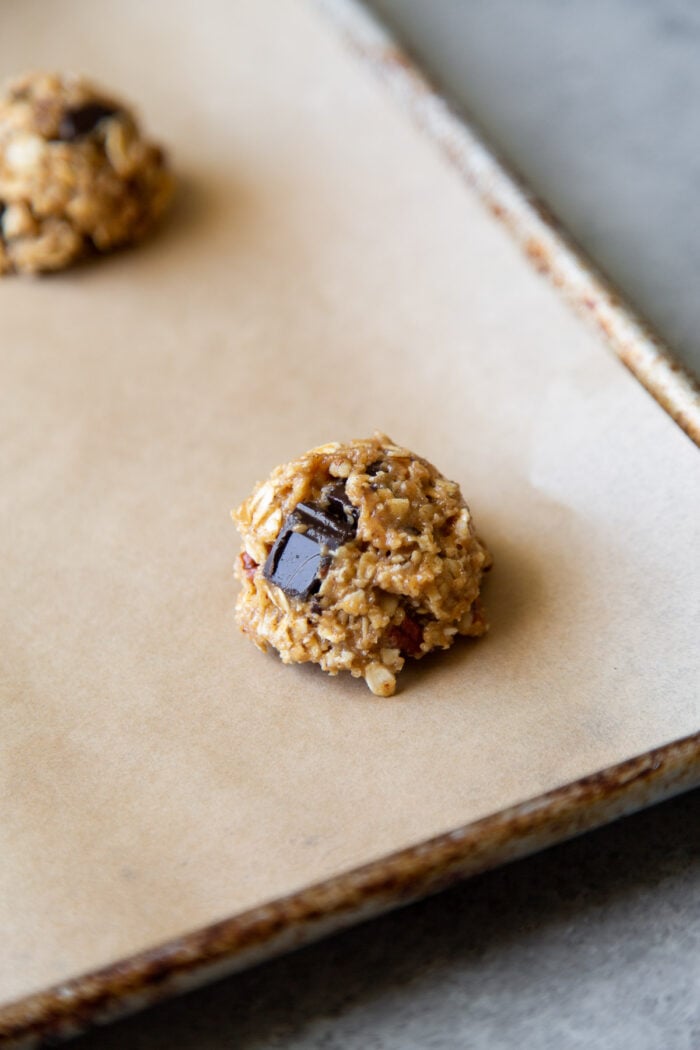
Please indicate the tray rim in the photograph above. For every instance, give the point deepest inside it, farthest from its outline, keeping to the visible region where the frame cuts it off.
(245, 939)
(393, 881)
(548, 246)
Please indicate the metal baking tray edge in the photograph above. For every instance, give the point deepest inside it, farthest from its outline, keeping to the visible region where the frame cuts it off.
(547, 246)
(261, 933)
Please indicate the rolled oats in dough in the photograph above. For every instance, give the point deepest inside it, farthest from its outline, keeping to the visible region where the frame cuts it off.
(76, 175)
(356, 556)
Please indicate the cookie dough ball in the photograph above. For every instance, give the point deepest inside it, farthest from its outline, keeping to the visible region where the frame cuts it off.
(75, 174)
(356, 556)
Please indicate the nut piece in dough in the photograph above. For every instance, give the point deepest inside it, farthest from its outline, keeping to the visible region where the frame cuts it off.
(75, 174)
(356, 556)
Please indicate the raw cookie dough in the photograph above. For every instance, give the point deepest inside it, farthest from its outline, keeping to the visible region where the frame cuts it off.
(356, 556)
(75, 174)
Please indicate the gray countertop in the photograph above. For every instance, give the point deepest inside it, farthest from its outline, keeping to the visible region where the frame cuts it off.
(595, 943)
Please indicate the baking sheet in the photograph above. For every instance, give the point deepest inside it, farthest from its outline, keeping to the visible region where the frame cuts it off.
(325, 273)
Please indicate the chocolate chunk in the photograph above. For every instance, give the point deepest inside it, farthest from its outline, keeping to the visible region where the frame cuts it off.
(340, 505)
(332, 521)
(376, 468)
(81, 120)
(294, 564)
(302, 552)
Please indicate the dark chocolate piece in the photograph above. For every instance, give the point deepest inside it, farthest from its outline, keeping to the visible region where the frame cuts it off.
(332, 521)
(376, 468)
(340, 505)
(302, 552)
(81, 120)
(294, 564)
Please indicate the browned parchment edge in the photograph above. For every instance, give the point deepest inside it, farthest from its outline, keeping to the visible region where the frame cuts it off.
(243, 940)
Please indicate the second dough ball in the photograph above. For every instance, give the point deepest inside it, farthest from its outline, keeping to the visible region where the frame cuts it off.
(76, 175)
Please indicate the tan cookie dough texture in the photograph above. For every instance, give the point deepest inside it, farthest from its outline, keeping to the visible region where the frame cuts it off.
(406, 584)
(75, 174)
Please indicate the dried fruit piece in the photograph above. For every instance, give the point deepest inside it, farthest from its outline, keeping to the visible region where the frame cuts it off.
(406, 636)
(249, 566)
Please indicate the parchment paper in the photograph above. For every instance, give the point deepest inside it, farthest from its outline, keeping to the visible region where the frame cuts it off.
(325, 273)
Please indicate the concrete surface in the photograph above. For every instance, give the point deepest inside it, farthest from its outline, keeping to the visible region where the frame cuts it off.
(595, 943)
